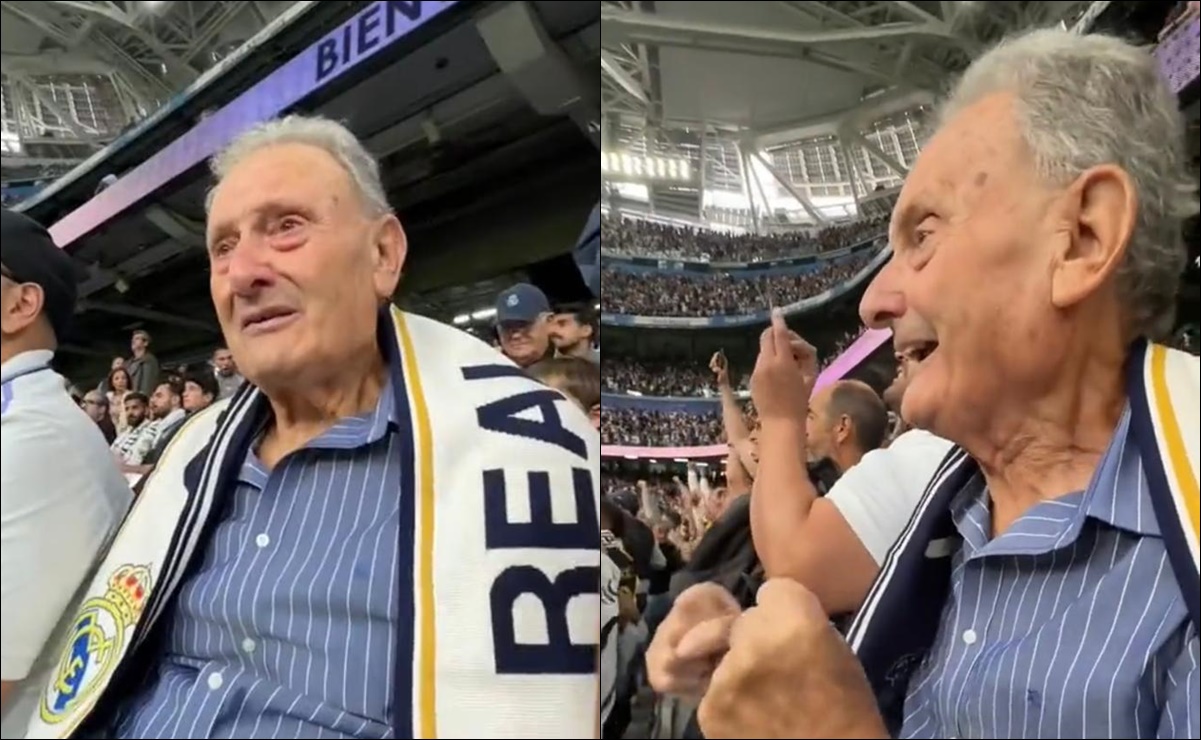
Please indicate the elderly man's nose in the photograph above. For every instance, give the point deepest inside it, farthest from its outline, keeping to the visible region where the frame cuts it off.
(247, 270)
(882, 302)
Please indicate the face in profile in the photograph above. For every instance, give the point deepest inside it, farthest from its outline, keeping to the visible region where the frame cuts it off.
(567, 332)
(299, 264)
(967, 291)
(818, 433)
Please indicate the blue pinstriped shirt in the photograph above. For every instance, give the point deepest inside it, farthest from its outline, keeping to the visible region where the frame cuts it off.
(1068, 625)
(285, 629)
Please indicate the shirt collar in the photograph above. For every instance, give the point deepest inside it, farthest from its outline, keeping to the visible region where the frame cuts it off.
(1117, 494)
(348, 434)
(24, 362)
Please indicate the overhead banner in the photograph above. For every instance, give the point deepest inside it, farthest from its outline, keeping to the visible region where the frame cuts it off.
(375, 28)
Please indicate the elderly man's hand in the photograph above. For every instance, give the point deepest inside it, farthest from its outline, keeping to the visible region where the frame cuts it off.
(784, 374)
(788, 674)
(691, 641)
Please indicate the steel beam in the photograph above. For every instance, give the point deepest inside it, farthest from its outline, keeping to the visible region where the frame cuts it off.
(800, 197)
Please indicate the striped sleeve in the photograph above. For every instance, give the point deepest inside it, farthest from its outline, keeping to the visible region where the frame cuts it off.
(1181, 717)
(610, 583)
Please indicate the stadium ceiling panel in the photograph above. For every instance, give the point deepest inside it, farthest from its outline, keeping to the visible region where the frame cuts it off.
(78, 72)
(762, 65)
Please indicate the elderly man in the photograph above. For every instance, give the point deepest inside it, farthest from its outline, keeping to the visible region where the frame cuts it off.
(1047, 586)
(382, 534)
(523, 324)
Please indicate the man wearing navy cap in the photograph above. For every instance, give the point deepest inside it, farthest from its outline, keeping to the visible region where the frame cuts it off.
(61, 495)
(523, 324)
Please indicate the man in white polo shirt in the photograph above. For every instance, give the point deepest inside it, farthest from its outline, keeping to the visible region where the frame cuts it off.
(60, 490)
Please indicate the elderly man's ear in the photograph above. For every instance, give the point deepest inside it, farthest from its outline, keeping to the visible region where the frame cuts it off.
(391, 246)
(1099, 210)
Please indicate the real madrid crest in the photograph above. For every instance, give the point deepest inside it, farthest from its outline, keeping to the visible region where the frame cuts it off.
(97, 641)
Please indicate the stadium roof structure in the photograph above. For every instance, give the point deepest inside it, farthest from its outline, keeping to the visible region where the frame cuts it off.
(772, 66)
(730, 86)
(78, 73)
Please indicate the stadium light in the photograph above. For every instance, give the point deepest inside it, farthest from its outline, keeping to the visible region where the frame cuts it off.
(484, 313)
(644, 168)
(462, 318)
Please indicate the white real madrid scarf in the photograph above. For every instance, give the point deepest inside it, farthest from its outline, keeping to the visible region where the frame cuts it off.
(898, 622)
(478, 556)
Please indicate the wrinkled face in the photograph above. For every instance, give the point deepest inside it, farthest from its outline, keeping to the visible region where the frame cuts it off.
(968, 291)
(525, 342)
(299, 266)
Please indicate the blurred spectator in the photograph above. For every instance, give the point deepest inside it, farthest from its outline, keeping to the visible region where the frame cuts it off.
(143, 366)
(200, 390)
(226, 372)
(95, 405)
(576, 378)
(119, 387)
(523, 323)
(573, 332)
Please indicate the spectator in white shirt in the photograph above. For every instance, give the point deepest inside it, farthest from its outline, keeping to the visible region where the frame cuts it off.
(60, 492)
(834, 545)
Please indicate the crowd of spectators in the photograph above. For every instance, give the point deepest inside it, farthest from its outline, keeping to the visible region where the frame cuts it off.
(660, 294)
(660, 429)
(635, 237)
(680, 379)
(686, 378)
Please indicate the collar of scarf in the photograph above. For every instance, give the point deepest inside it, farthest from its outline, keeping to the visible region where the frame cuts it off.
(483, 403)
(898, 622)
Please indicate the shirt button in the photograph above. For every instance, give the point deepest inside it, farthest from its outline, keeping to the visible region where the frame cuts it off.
(262, 540)
(216, 681)
(969, 637)
(249, 645)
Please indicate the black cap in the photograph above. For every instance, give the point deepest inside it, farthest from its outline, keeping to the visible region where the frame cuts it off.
(29, 255)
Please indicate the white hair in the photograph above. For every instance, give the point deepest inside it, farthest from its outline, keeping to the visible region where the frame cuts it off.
(327, 135)
(1088, 100)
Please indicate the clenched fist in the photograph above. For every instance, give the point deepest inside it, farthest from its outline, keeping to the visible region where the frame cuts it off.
(788, 674)
(691, 641)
